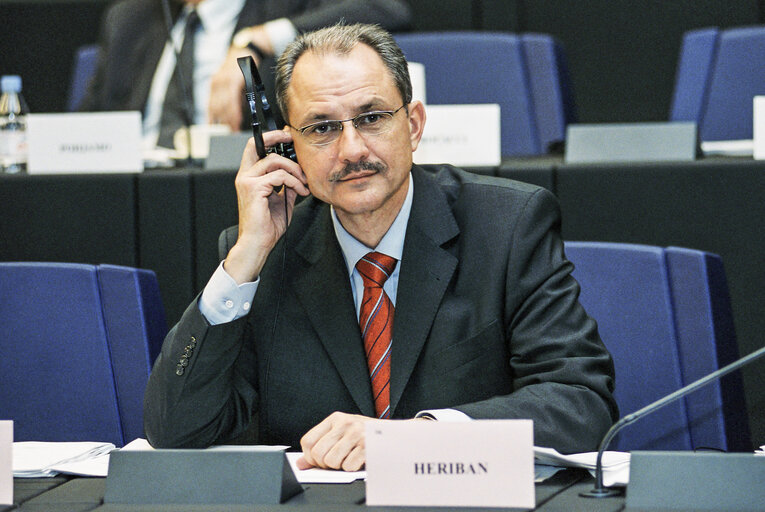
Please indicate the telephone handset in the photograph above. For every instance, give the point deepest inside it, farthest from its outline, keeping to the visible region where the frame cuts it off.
(261, 111)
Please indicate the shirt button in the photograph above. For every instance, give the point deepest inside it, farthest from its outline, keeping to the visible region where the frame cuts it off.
(246, 306)
(229, 304)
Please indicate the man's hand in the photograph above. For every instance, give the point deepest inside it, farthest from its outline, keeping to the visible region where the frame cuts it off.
(262, 216)
(227, 84)
(335, 443)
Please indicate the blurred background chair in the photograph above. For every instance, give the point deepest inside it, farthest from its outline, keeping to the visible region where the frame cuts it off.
(717, 79)
(493, 67)
(76, 347)
(665, 315)
(85, 59)
(694, 71)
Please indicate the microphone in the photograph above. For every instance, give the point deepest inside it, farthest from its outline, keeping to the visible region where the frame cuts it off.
(600, 491)
(188, 111)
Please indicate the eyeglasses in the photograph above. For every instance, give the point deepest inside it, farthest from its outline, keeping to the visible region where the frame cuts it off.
(326, 132)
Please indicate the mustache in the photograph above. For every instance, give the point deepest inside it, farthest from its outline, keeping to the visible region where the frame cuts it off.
(355, 167)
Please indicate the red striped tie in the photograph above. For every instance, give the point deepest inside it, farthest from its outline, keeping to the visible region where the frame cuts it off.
(376, 322)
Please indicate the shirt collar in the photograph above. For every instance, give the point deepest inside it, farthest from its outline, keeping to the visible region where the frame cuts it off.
(392, 244)
(218, 14)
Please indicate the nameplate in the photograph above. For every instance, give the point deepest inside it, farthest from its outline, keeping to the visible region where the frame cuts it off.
(758, 128)
(481, 463)
(631, 142)
(6, 462)
(462, 135)
(225, 152)
(84, 142)
(696, 481)
(224, 476)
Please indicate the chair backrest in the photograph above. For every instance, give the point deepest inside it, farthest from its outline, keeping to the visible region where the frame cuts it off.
(492, 67)
(665, 315)
(716, 81)
(551, 89)
(83, 68)
(694, 72)
(736, 80)
(75, 349)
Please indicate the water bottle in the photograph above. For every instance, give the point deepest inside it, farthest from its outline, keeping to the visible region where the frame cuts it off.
(13, 135)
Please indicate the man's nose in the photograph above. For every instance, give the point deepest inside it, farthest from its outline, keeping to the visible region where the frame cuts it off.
(352, 146)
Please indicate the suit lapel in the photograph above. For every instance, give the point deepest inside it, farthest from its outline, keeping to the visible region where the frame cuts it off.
(426, 269)
(323, 287)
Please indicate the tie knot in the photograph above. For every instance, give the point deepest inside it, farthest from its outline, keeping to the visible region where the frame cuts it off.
(192, 21)
(375, 268)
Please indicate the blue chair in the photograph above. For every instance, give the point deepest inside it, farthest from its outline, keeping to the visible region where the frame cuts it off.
(665, 315)
(551, 90)
(76, 346)
(694, 72)
(85, 59)
(717, 79)
(492, 67)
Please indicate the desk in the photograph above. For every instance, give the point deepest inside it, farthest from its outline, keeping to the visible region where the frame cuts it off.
(86, 494)
(169, 221)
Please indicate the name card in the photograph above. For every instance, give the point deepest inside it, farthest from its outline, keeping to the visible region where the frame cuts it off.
(84, 142)
(758, 129)
(481, 463)
(6, 462)
(461, 135)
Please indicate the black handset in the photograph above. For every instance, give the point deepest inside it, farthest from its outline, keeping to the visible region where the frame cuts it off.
(261, 111)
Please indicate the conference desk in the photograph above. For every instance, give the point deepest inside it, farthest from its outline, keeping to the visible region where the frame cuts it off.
(169, 221)
(65, 494)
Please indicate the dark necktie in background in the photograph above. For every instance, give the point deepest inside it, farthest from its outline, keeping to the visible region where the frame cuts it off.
(178, 108)
(376, 322)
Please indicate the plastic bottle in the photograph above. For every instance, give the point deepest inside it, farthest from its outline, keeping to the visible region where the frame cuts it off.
(13, 140)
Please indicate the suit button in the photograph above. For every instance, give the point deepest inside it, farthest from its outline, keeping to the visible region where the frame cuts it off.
(179, 370)
(184, 361)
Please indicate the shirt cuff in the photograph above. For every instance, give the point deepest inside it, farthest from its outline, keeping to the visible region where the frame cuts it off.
(223, 300)
(281, 32)
(449, 415)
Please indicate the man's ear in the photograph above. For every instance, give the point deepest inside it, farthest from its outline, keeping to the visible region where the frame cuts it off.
(416, 122)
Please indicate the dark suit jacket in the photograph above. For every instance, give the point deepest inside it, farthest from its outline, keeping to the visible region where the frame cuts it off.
(487, 321)
(133, 36)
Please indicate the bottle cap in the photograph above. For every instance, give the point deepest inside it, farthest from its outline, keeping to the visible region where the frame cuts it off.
(10, 83)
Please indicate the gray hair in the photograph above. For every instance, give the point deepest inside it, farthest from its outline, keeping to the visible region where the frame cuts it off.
(341, 39)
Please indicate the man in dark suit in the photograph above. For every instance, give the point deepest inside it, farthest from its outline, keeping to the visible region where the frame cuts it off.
(484, 312)
(134, 65)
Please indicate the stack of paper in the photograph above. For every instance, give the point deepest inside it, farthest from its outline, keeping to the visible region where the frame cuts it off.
(616, 465)
(33, 459)
(761, 451)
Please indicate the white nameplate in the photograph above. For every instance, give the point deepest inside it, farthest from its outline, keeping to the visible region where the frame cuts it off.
(84, 142)
(6, 462)
(481, 463)
(758, 129)
(462, 135)
(417, 77)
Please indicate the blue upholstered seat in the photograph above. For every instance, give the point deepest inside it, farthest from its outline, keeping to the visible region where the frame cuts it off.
(665, 315)
(717, 79)
(76, 345)
(520, 73)
(83, 68)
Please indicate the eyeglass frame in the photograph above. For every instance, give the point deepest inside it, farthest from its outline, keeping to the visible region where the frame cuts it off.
(353, 120)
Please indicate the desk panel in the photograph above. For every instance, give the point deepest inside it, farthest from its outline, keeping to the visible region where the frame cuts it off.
(85, 494)
(74, 218)
(166, 241)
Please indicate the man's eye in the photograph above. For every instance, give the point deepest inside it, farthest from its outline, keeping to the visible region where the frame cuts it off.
(370, 118)
(320, 129)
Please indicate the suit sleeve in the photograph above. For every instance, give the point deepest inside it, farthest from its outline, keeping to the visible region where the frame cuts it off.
(390, 14)
(562, 374)
(200, 391)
